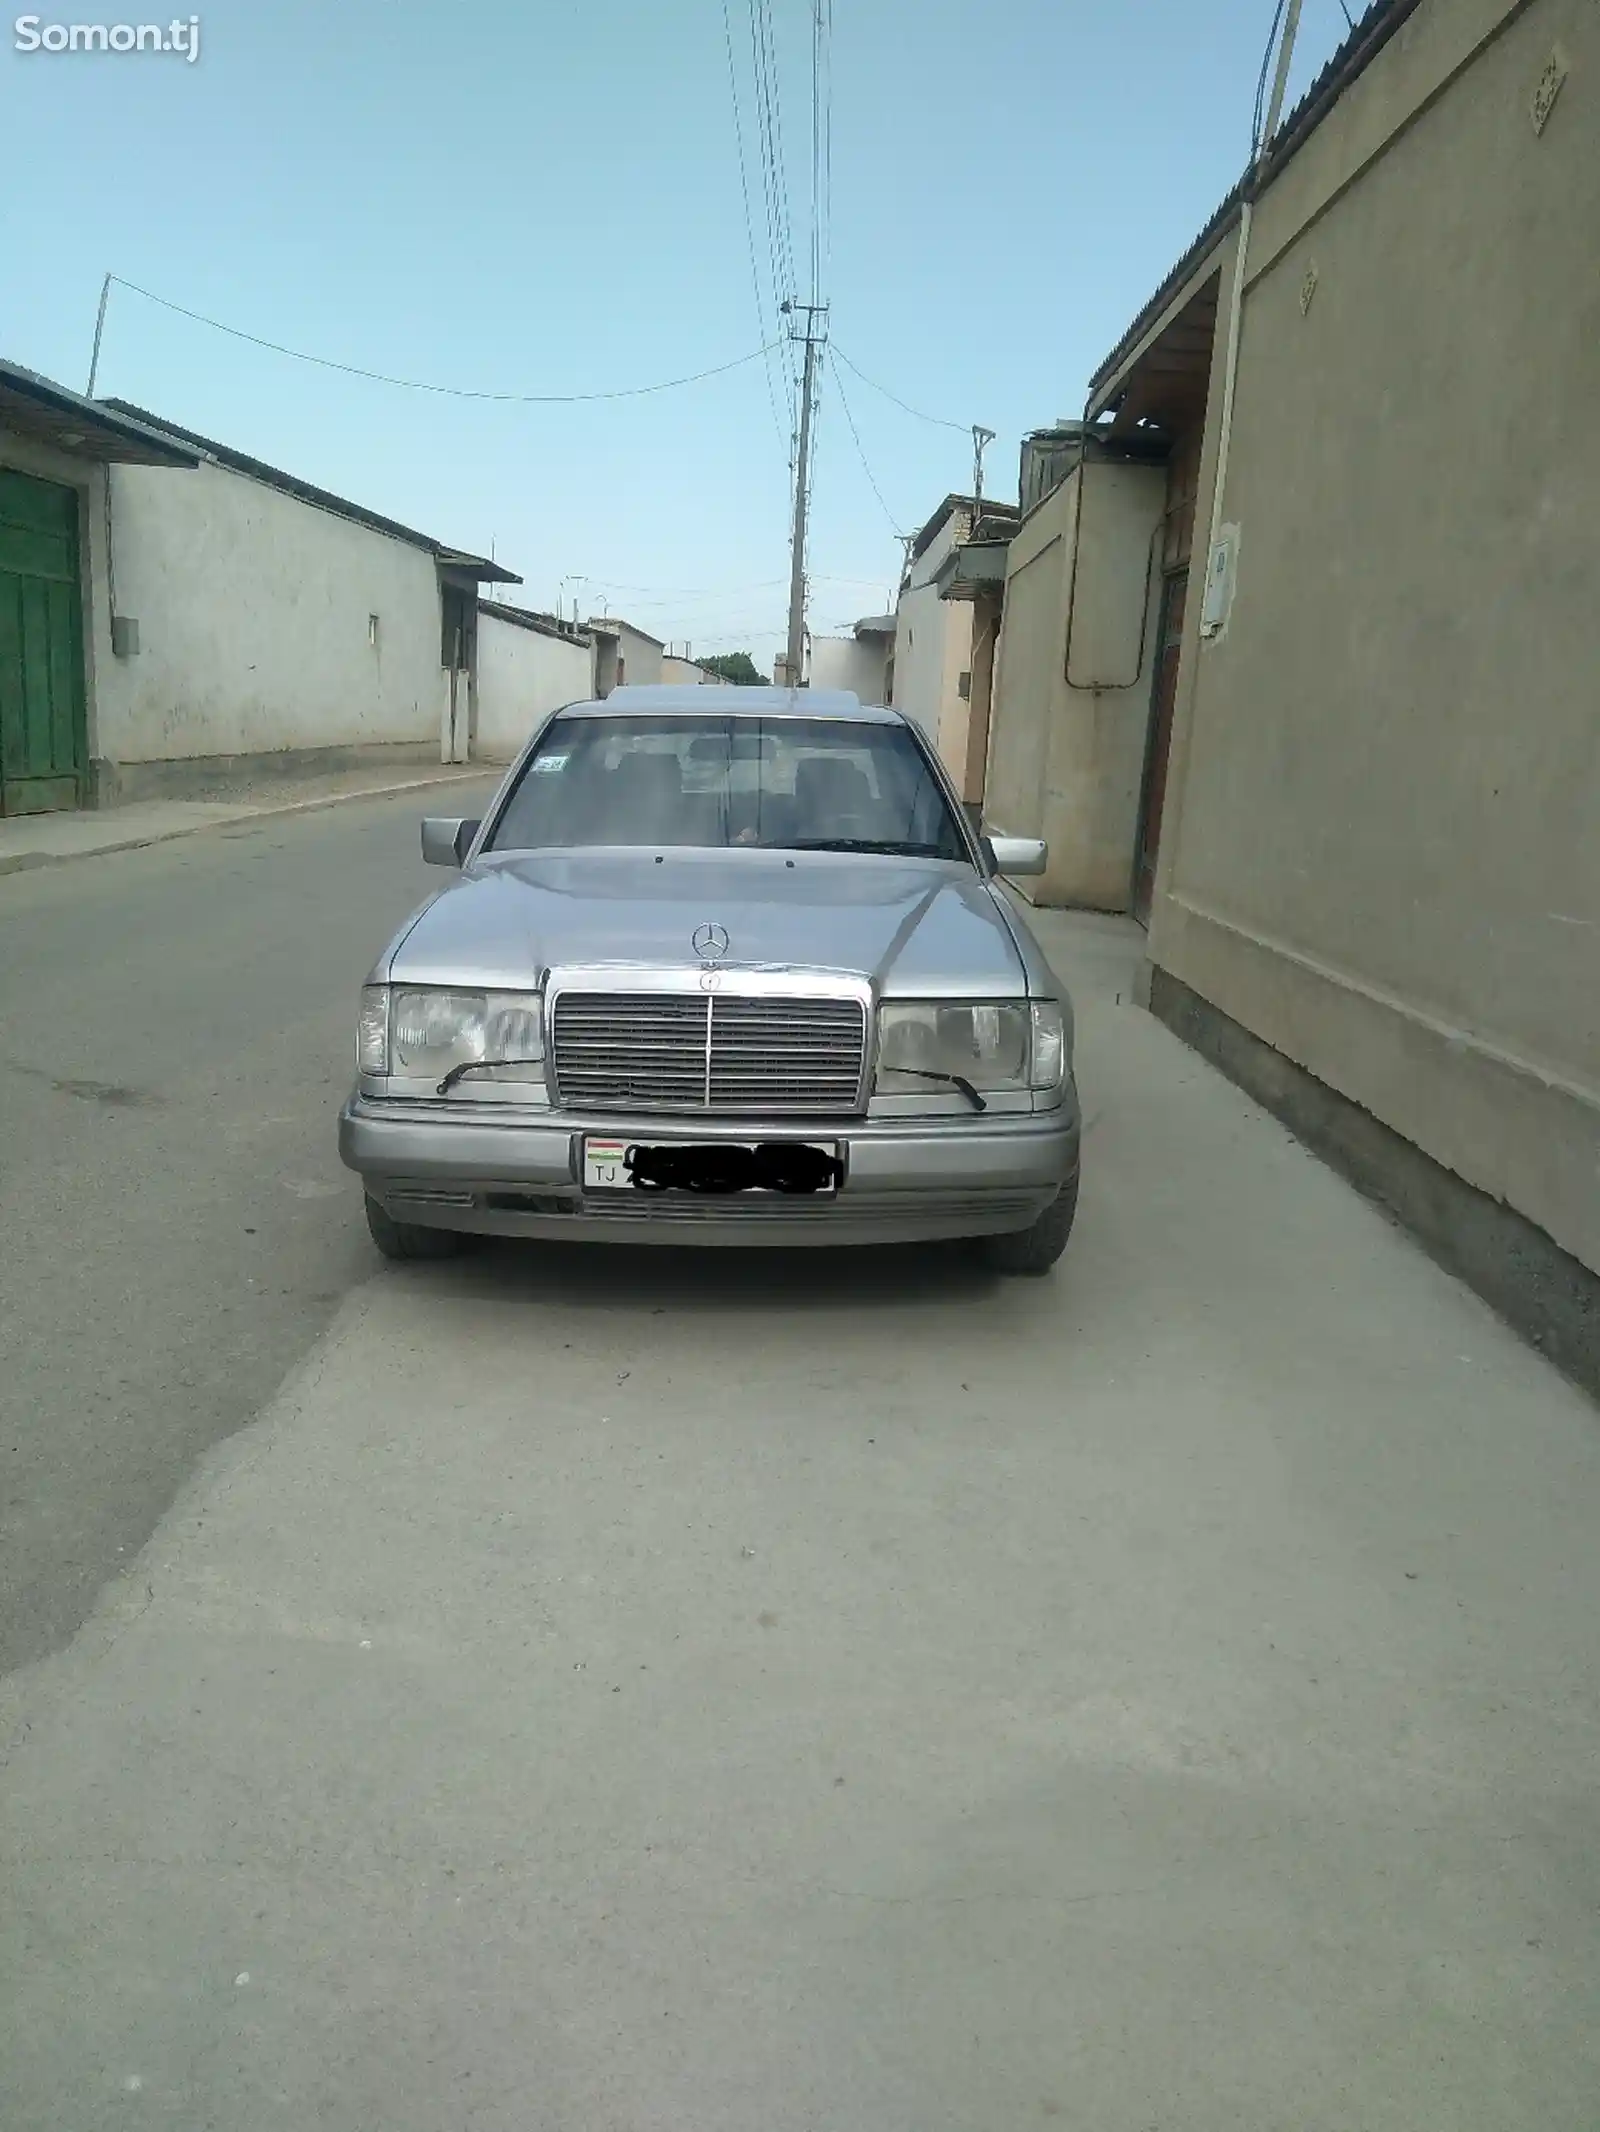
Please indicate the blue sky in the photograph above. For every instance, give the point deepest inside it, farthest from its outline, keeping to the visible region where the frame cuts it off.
(543, 196)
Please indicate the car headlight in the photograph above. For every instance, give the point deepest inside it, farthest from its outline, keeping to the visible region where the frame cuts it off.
(989, 1046)
(426, 1032)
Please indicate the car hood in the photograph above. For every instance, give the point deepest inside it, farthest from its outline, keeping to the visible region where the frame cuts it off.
(909, 926)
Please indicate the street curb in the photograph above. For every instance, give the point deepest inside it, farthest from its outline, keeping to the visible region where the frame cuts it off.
(30, 861)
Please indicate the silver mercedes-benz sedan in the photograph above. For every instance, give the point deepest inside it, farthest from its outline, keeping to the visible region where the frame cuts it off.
(721, 966)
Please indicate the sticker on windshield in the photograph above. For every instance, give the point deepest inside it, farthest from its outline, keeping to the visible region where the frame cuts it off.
(547, 763)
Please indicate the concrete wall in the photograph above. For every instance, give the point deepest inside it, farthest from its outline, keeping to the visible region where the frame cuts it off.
(687, 673)
(523, 674)
(853, 663)
(1382, 850)
(933, 648)
(1066, 758)
(1027, 683)
(254, 630)
(970, 783)
(641, 657)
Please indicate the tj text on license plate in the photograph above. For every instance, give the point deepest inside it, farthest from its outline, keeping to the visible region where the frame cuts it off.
(713, 1168)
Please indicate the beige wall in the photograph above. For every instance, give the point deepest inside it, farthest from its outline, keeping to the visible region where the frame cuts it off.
(1027, 686)
(985, 645)
(1066, 760)
(933, 648)
(1382, 846)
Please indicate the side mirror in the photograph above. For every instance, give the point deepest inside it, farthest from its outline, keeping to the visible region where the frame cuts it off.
(447, 839)
(1018, 855)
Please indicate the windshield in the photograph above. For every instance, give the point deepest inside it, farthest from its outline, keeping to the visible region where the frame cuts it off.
(786, 784)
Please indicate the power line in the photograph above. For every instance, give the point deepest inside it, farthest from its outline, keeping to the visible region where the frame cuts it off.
(781, 282)
(749, 228)
(821, 141)
(452, 392)
(661, 594)
(779, 157)
(828, 139)
(816, 149)
(828, 148)
(815, 308)
(686, 609)
(938, 421)
(774, 183)
(862, 456)
(782, 279)
(617, 584)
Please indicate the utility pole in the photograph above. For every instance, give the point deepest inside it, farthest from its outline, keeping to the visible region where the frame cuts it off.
(99, 329)
(981, 437)
(1280, 80)
(795, 655)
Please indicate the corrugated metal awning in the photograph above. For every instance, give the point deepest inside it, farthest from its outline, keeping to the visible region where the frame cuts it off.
(38, 408)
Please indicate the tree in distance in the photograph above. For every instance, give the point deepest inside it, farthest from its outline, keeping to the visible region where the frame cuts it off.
(737, 667)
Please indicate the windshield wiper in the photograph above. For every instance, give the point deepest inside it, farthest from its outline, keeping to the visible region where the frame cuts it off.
(894, 847)
(459, 1073)
(951, 1080)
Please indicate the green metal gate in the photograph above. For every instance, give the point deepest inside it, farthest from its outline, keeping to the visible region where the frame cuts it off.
(43, 730)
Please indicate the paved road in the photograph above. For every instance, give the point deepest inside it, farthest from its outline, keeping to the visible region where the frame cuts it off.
(175, 1229)
(621, 1693)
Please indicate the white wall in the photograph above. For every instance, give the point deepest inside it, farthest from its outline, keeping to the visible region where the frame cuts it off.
(853, 663)
(617, 643)
(522, 674)
(253, 624)
(641, 657)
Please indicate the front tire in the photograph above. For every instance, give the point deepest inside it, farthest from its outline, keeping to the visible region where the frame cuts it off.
(407, 1240)
(1034, 1250)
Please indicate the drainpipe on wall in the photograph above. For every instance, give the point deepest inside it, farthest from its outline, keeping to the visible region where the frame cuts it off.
(451, 707)
(472, 682)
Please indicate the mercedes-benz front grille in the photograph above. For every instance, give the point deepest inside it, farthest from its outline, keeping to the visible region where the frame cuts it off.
(713, 1051)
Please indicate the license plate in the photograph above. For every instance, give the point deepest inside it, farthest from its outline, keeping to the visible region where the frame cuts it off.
(603, 1169)
(712, 1168)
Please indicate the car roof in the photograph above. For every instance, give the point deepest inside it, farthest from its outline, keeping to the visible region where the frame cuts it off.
(641, 698)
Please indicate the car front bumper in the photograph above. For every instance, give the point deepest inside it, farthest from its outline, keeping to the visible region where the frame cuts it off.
(905, 1180)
